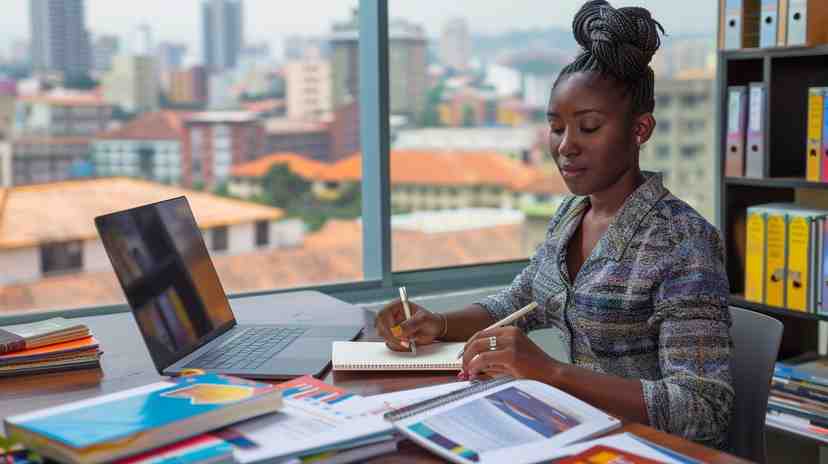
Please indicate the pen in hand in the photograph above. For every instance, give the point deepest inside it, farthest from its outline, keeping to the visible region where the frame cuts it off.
(404, 299)
(503, 322)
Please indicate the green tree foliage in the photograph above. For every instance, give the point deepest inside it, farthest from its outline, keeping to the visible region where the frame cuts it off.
(431, 114)
(468, 116)
(293, 194)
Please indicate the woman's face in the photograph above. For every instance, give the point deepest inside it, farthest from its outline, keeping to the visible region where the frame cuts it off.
(592, 134)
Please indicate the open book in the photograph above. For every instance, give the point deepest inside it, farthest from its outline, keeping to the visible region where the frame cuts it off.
(502, 420)
(360, 356)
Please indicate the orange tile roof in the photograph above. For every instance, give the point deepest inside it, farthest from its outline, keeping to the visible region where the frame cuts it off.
(84, 99)
(158, 125)
(73, 205)
(331, 255)
(300, 165)
(445, 168)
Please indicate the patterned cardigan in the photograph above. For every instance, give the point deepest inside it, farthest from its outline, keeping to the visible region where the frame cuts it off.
(649, 303)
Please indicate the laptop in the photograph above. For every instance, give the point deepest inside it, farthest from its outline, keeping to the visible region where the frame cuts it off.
(180, 307)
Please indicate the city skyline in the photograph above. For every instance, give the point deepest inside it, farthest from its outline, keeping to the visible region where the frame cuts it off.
(483, 16)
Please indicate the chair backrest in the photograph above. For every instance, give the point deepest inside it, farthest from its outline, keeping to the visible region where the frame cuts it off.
(756, 338)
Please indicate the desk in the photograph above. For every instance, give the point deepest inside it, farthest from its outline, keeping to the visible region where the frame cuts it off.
(126, 364)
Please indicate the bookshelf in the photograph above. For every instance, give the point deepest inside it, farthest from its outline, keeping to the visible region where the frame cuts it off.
(787, 74)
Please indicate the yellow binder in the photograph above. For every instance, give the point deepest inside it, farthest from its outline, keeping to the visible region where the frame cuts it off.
(798, 275)
(776, 257)
(815, 111)
(755, 255)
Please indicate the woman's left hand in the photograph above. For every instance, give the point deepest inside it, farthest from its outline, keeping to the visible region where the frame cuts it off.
(511, 352)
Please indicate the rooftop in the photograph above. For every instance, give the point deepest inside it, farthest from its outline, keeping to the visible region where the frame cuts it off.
(222, 116)
(445, 168)
(158, 125)
(62, 211)
(302, 166)
(66, 99)
(331, 255)
(292, 126)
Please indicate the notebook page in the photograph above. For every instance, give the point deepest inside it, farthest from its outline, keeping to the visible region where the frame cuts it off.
(377, 356)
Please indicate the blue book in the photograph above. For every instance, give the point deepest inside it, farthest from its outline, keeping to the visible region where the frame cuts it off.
(122, 424)
(807, 368)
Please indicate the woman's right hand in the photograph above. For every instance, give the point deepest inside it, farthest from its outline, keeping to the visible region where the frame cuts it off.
(423, 327)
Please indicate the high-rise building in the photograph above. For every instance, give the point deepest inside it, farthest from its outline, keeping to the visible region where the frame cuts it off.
(406, 66)
(682, 146)
(222, 33)
(105, 49)
(455, 44)
(132, 83)
(308, 85)
(20, 51)
(60, 41)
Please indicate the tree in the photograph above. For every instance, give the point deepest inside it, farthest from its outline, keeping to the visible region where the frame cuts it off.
(431, 114)
(284, 188)
(80, 82)
(469, 119)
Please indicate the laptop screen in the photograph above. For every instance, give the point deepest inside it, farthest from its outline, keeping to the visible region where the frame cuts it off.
(159, 256)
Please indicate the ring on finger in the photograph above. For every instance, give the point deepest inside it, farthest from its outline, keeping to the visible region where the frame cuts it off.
(492, 343)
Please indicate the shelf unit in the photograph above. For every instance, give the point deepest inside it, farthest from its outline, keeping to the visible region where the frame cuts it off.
(787, 74)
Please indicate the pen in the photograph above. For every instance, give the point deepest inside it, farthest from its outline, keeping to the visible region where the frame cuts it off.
(404, 299)
(505, 321)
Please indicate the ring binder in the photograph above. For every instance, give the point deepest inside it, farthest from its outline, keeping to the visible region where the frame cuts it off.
(423, 406)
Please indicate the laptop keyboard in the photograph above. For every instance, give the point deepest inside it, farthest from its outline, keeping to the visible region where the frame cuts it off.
(253, 347)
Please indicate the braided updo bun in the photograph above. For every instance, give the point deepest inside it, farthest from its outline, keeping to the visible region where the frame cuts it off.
(619, 43)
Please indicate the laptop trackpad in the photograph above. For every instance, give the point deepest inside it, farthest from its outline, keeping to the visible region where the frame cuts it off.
(307, 348)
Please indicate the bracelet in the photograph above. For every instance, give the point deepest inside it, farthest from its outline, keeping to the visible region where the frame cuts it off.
(445, 325)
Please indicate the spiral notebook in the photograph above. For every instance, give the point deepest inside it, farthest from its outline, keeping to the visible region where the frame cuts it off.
(501, 420)
(373, 356)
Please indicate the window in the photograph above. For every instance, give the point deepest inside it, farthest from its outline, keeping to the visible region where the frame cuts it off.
(664, 126)
(61, 257)
(663, 152)
(262, 233)
(218, 236)
(503, 80)
(690, 151)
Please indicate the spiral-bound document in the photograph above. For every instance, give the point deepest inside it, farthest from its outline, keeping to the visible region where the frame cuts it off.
(371, 356)
(501, 420)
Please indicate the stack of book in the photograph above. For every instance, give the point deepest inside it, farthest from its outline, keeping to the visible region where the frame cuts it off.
(785, 257)
(51, 345)
(799, 396)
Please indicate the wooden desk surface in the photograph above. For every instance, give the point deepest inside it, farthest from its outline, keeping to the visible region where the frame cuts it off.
(126, 364)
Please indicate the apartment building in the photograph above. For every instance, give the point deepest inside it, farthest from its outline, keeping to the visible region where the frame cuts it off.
(682, 146)
(309, 89)
(148, 147)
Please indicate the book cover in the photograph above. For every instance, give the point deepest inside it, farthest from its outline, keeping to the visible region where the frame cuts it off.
(601, 454)
(816, 108)
(809, 368)
(117, 425)
(755, 255)
(56, 350)
(54, 330)
(203, 449)
(776, 257)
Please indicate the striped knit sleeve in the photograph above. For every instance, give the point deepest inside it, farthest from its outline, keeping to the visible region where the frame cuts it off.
(694, 397)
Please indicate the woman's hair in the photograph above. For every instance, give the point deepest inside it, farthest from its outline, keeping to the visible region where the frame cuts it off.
(618, 43)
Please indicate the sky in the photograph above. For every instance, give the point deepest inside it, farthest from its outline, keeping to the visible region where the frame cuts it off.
(271, 20)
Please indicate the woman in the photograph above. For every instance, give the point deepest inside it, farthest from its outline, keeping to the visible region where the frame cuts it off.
(632, 276)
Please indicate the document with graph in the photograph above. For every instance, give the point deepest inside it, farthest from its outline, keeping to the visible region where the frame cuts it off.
(503, 420)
